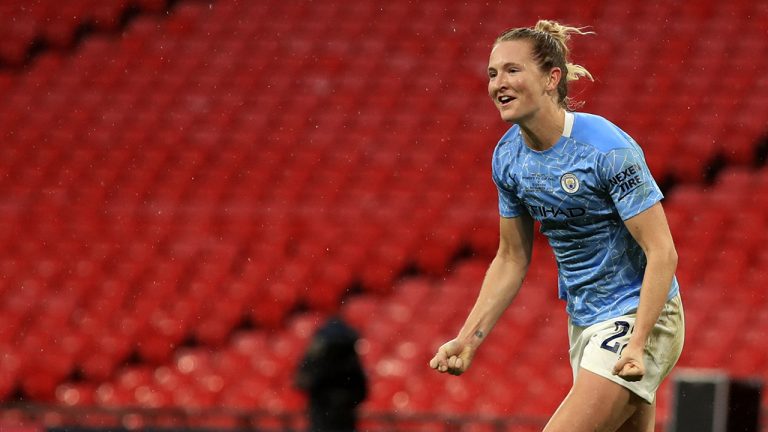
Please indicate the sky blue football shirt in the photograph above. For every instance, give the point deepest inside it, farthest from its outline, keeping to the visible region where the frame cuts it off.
(582, 190)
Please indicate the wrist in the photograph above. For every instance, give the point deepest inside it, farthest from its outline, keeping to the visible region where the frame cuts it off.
(473, 339)
(636, 342)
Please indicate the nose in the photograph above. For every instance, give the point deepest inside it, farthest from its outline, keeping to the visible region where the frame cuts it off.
(497, 83)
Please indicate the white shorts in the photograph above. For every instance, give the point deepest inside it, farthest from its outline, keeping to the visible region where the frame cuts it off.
(596, 348)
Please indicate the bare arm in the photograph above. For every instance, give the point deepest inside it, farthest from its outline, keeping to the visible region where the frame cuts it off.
(651, 231)
(500, 286)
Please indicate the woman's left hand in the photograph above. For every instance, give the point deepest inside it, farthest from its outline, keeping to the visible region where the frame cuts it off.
(630, 365)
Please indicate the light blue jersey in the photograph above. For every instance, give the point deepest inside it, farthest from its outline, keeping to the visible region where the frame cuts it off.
(582, 190)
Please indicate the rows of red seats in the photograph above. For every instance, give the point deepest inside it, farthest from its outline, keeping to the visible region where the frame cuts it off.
(56, 23)
(232, 162)
(725, 313)
(191, 197)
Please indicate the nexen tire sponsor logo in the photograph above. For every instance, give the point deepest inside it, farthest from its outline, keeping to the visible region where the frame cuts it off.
(544, 211)
(628, 179)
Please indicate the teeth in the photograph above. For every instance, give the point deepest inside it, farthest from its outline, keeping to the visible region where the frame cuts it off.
(505, 99)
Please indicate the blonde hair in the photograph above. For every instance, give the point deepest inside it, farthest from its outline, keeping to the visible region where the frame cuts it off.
(549, 40)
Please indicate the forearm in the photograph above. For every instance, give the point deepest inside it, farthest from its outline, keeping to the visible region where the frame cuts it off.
(500, 286)
(659, 272)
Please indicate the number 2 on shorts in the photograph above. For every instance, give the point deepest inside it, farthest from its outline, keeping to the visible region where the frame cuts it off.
(622, 328)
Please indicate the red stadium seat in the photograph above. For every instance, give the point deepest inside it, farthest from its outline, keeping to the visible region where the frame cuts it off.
(199, 180)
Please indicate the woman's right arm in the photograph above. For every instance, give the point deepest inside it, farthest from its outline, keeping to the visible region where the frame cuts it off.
(500, 286)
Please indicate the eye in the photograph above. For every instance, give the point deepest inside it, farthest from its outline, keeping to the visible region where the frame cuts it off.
(491, 73)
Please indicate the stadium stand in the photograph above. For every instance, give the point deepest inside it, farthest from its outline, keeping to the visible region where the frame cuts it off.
(188, 194)
(26, 27)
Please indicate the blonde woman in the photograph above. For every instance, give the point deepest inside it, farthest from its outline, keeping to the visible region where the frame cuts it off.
(587, 183)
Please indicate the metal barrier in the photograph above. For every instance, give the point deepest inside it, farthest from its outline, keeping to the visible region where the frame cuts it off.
(21, 417)
(71, 419)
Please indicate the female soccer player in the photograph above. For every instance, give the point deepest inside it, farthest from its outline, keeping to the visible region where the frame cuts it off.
(587, 183)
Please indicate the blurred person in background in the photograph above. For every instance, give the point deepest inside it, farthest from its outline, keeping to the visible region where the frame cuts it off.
(587, 183)
(332, 376)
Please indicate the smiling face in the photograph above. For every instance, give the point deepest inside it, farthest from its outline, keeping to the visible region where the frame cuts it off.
(516, 84)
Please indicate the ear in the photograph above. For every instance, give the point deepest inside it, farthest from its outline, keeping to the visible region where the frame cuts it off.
(554, 77)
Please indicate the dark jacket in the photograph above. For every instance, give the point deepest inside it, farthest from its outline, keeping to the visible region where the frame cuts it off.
(332, 376)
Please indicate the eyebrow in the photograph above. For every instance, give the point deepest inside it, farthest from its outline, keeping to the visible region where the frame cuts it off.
(506, 65)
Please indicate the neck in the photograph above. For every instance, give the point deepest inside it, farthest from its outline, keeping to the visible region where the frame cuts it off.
(544, 129)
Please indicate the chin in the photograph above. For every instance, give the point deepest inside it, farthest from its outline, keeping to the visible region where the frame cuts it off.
(515, 116)
(509, 117)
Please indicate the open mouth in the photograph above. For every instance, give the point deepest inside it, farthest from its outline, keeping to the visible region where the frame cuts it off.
(505, 99)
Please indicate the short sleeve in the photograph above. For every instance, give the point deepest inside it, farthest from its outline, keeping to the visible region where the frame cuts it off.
(509, 204)
(628, 181)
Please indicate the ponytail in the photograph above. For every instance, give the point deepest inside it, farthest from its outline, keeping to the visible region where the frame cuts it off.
(549, 41)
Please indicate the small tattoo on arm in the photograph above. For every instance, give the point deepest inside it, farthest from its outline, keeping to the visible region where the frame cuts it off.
(479, 334)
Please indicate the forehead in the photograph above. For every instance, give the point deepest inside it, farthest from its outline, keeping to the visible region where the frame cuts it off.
(514, 51)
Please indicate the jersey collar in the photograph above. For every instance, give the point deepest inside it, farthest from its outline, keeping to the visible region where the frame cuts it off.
(568, 124)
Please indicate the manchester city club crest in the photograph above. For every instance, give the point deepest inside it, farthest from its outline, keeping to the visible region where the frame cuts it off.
(569, 183)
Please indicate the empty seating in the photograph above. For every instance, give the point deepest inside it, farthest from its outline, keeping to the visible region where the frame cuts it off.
(178, 191)
(25, 25)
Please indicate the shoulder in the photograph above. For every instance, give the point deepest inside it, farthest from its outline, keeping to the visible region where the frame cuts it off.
(598, 132)
(509, 139)
(508, 143)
